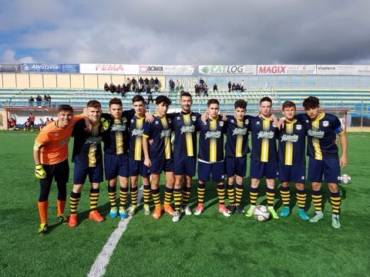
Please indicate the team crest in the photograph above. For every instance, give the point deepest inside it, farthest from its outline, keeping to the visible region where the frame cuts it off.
(325, 123)
(298, 127)
(169, 121)
(132, 120)
(257, 123)
(221, 123)
(178, 118)
(124, 119)
(232, 120)
(193, 117)
(246, 121)
(156, 122)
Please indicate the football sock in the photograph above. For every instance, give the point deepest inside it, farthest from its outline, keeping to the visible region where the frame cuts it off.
(60, 207)
(221, 193)
(112, 196)
(285, 195)
(177, 195)
(156, 197)
(270, 194)
(186, 196)
(335, 202)
(317, 199)
(301, 199)
(133, 194)
(238, 194)
(94, 196)
(73, 201)
(231, 194)
(253, 194)
(43, 211)
(168, 195)
(146, 193)
(123, 195)
(201, 191)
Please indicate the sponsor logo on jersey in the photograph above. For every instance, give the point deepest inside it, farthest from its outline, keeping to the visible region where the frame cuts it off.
(316, 134)
(239, 131)
(289, 138)
(137, 132)
(213, 134)
(166, 133)
(187, 129)
(265, 135)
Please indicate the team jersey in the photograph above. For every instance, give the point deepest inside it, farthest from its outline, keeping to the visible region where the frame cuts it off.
(116, 137)
(160, 132)
(237, 137)
(136, 128)
(211, 140)
(292, 142)
(322, 133)
(53, 142)
(264, 134)
(185, 126)
(87, 145)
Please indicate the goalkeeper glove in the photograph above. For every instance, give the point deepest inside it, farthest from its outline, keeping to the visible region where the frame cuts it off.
(40, 172)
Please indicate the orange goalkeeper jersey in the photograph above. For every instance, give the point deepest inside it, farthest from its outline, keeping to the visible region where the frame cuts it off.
(53, 142)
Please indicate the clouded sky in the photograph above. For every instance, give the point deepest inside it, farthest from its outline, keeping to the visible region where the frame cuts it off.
(185, 32)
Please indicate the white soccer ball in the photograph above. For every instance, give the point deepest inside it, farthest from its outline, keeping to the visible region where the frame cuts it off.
(261, 213)
(345, 179)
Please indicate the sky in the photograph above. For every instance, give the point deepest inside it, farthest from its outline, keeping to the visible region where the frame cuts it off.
(185, 32)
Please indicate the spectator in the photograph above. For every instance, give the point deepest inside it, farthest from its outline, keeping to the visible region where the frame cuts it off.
(229, 86)
(31, 101)
(106, 87)
(39, 100)
(215, 88)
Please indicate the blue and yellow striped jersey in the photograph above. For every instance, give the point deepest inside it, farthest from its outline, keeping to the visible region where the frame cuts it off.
(211, 140)
(264, 138)
(237, 137)
(292, 143)
(159, 131)
(136, 129)
(322, 133)
(185, 127)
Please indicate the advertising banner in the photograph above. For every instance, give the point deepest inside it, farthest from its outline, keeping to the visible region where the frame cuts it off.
(178, 70)
(227, 69)
(91, 68)
(40, 67)
(286, 69)
(70, 68)
(341, 69)
(151, 69)
(10, 68)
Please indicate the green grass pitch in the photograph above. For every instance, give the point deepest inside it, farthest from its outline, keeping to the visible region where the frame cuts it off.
(209, 245)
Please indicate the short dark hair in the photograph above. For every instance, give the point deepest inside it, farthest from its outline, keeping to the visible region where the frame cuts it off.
(162, 99)
(185, 94)
(266, 99)
(311, 102)
(212, 101)
(115, 101)
(65, 108)
(240, 104)
(288, 104)
(93, 104)
(138, 98)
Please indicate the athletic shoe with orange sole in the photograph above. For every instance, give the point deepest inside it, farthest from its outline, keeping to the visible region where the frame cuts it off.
(157, 213)
(199, 209)
(95, 216)
(72, 220)
(168, 209)
(223, 210)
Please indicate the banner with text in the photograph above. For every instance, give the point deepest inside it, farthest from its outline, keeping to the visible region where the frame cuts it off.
(10, 68)
(227, 69)
(107, 68)
(51, 68)
(341, 69)
(286, 69)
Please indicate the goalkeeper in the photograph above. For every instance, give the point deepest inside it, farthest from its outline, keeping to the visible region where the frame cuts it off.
(50, 154)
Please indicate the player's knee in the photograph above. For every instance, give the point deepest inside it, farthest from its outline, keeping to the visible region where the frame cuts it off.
(333, 187)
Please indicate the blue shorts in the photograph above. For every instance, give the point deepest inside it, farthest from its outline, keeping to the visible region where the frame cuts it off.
(205, 170)
(81, 171)
(236, 166)
(329, 168)
(260, 169)
(115, 165)
(137, 168)
(158, 166)
(185, 166)
(292, 173)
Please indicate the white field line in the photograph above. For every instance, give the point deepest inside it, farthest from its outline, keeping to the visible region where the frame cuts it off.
(102, 260)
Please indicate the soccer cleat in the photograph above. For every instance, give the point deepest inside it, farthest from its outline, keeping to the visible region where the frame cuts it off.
(146, 209)
(43, 228)
(223, 210)
(231, 208)
(285, 211)
(95, 216)
(73, 220)
(238, 209)
(199, 209)
(250, 211)
(303, 215)
(168, 209)
(123, 213)
(335, 223)
(273, 212)
(187, 211)
(131, 210)
(113, 212)
(317, 217)
(157, 213)
(176, 216)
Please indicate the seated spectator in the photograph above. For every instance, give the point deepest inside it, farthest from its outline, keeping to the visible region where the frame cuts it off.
(31, 101)
(215, 88)
(38, 100)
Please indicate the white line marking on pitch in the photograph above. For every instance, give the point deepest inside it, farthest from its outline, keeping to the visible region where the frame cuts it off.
(99, 266)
